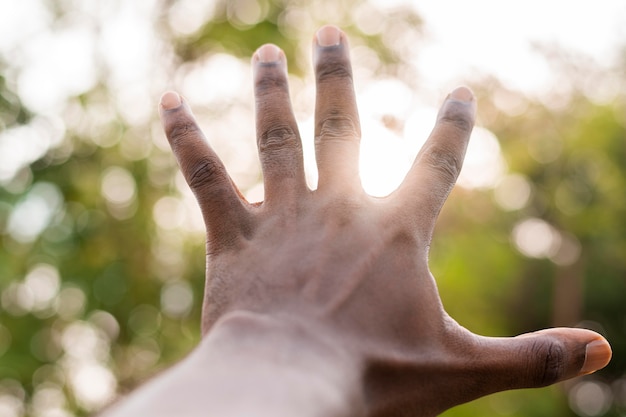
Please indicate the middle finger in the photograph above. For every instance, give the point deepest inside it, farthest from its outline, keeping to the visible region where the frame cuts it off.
(278, 139)
(337, 127)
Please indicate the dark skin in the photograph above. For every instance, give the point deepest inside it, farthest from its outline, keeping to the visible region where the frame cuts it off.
(336, 275)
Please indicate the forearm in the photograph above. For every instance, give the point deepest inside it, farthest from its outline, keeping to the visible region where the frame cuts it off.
(249, 365)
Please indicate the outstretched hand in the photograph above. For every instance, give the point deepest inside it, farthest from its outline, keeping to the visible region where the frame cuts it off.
(351, 266)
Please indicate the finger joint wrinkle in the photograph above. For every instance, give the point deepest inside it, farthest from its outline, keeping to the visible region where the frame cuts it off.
(338, 127)
(180, 131)
(204, 172)
(459, 120)
(444, 161)
(279, 138)
(338, 70)
(553, 353)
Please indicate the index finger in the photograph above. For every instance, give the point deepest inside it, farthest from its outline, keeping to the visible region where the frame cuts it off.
(225, 214)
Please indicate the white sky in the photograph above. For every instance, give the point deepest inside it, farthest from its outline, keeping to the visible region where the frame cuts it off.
(497, 36)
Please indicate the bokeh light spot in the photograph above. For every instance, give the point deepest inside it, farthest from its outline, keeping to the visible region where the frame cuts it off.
(168, 213)
(143, 353)
(145, 320)
(49, 401)
(590, 398)
(83, 341)
(106, 322)
(176, 299)
(11, 406)
(535, 238)
(93, 384)
(34, 212)
(118, 187)
(71, 302)
(512, 192)
(43, 281)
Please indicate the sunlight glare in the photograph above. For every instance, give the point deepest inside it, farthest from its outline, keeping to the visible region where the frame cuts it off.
(219, 78)
(126, 45)
(19, 21)
(11, 406)
(93, 384)
(484, 164)
(48, 400)
(503, 43)
(33, 214)
(385, 156)
(56, 67)
(384, 160)
(22, 145)
(188, 16)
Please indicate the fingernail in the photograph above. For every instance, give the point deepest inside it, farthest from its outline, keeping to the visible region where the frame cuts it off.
(597, 356)
(328, 36)
(462, 94)
(268, 53)
(170, 100)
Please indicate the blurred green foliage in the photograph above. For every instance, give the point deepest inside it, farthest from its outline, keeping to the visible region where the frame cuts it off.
(103, 289)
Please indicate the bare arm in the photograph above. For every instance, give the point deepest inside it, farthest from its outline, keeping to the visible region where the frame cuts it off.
(249, 365)
(321, 303)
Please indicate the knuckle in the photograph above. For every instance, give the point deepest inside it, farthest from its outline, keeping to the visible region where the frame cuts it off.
(338, 127)
(181, 130)
(332, 70)
(270, 82)
(550, 363)
(205, 171)
(279, 138)
(443, 161)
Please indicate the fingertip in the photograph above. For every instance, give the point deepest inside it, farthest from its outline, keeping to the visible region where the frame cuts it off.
(170, 100)
(459, 108)
(598, 354)
(328, 35)
(462, 93)
(267, 54)
(329, 44)
(460, 99)
(597, 350)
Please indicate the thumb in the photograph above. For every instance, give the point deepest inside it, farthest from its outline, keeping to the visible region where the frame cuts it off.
(545, 357)
(597, 351)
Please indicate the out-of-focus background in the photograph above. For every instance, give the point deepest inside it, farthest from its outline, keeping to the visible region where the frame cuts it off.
(102, 257)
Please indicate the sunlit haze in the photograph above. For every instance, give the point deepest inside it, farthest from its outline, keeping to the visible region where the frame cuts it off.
(463, 39)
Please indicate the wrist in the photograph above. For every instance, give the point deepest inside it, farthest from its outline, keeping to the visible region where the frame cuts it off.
(284, 365)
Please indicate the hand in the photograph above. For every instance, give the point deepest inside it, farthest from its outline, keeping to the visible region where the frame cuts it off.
(351, 266)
